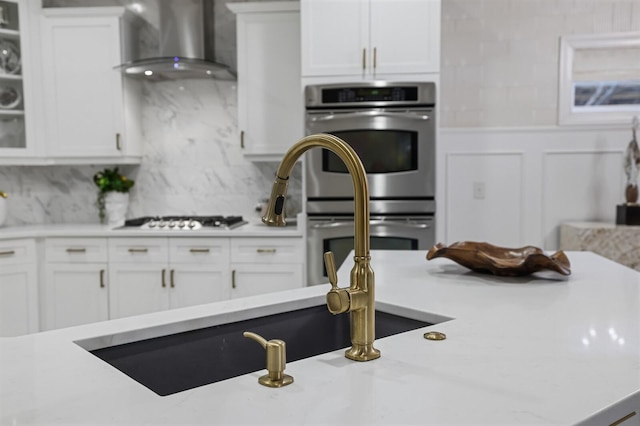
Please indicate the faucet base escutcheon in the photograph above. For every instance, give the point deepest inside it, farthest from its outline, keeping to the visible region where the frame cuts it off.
(362, 352)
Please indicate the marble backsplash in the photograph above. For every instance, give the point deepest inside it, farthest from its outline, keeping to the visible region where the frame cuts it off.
(192, 164)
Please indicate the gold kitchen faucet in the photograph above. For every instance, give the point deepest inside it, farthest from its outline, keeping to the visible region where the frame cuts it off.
(359, 298)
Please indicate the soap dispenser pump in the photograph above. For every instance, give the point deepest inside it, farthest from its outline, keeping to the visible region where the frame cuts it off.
(276, 361)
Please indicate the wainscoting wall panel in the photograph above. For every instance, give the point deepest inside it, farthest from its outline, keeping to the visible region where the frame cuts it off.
(484, 200)
(534, 178)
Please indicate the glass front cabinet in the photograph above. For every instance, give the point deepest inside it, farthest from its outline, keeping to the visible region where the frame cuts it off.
(15, 92)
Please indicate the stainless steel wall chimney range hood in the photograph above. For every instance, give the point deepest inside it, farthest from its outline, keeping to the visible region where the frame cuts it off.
(186, 45)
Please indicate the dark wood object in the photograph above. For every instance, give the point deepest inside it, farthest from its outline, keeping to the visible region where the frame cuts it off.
(487, 258)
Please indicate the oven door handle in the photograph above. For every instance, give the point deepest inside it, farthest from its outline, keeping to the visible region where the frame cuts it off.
(372, 224)
(347, 115)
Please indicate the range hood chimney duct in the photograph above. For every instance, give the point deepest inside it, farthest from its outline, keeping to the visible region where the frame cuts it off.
(186, 45)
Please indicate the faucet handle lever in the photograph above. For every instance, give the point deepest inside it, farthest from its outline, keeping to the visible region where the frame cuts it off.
(330, 264)
(338, 299)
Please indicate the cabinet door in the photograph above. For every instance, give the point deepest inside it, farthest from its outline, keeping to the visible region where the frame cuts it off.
(267, 250)
(335, 37)
(17, 130)
(75, 294)
(197, 284)
(270, 105)
(405, 36)
(83, 96)
(136, 289)
(18, 300)
(199, 271)
(249, 280)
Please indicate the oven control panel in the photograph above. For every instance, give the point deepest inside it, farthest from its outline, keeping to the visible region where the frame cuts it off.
(369, 94)
(373, 94)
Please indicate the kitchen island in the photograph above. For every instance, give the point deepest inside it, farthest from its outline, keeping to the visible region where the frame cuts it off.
(544, 350)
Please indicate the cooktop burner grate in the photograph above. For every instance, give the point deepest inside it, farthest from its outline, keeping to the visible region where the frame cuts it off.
(186, 223)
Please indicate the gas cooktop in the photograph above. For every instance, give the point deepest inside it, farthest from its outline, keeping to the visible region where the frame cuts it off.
(184, 223)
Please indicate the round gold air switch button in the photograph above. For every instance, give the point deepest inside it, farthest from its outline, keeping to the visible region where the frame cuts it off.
(435, 335)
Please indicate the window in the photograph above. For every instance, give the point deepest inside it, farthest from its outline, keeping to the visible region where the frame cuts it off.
(599, 78)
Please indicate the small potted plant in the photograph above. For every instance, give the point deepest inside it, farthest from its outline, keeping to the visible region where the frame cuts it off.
(113, 195)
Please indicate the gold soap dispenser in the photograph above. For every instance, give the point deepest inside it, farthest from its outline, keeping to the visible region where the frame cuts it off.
(276, 361)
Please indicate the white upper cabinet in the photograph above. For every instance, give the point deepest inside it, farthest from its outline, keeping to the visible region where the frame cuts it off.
(369, 39)
(270, 104)
(91, 111)
(17, 137)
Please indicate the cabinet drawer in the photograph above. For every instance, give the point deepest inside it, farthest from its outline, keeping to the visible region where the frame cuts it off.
(267, 250)
(138, 249)
(15, 252)
(76, 250)
(208, 251)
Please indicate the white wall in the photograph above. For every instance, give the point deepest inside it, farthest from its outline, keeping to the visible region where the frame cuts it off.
(500, 57)
(498, 111)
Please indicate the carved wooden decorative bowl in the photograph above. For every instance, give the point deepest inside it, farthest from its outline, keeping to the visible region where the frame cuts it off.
(487, 258)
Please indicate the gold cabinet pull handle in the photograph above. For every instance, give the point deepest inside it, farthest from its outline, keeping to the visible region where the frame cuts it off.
(164, 283)
(76, 250)
(364, 59)
(172, 283)
(375, 60)
(118, 145)
(242, 139)
(269, 250)
(102, 285)
(7, 253)
(195, 250)
(276, 361)
(3, 195)
(233, 279)
(138, 250)
(624, 419)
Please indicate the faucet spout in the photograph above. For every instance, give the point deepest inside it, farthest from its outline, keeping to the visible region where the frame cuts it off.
(359, 298)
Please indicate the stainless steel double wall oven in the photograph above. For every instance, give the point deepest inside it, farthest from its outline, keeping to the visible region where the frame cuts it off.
(391, 126)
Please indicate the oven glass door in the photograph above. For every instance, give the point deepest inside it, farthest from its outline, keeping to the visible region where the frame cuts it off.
(336, 235)
(396, 148)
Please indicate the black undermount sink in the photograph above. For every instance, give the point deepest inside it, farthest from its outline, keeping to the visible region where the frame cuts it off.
(177, 362)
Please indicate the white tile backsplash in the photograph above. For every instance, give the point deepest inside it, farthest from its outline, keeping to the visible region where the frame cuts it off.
(514, 45)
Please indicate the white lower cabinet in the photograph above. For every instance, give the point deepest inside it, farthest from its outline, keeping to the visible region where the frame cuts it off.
(264, 265)
(154, 274)
(95, 279)
(18, 288)
(198, 271)
(75, 287)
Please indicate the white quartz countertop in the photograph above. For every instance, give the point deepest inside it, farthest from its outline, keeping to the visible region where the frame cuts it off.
(519, 351)
(252, 229)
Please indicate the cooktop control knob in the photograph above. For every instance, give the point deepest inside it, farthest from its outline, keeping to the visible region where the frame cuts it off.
(162, 224)
(192, 224)
(152, 224)
(172, 224)
(181, 224)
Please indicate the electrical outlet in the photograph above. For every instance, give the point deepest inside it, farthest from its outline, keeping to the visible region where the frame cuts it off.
(478, 190)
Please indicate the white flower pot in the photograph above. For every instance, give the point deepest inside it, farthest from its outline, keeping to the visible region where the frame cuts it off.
(115, 206)
(4, 210)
